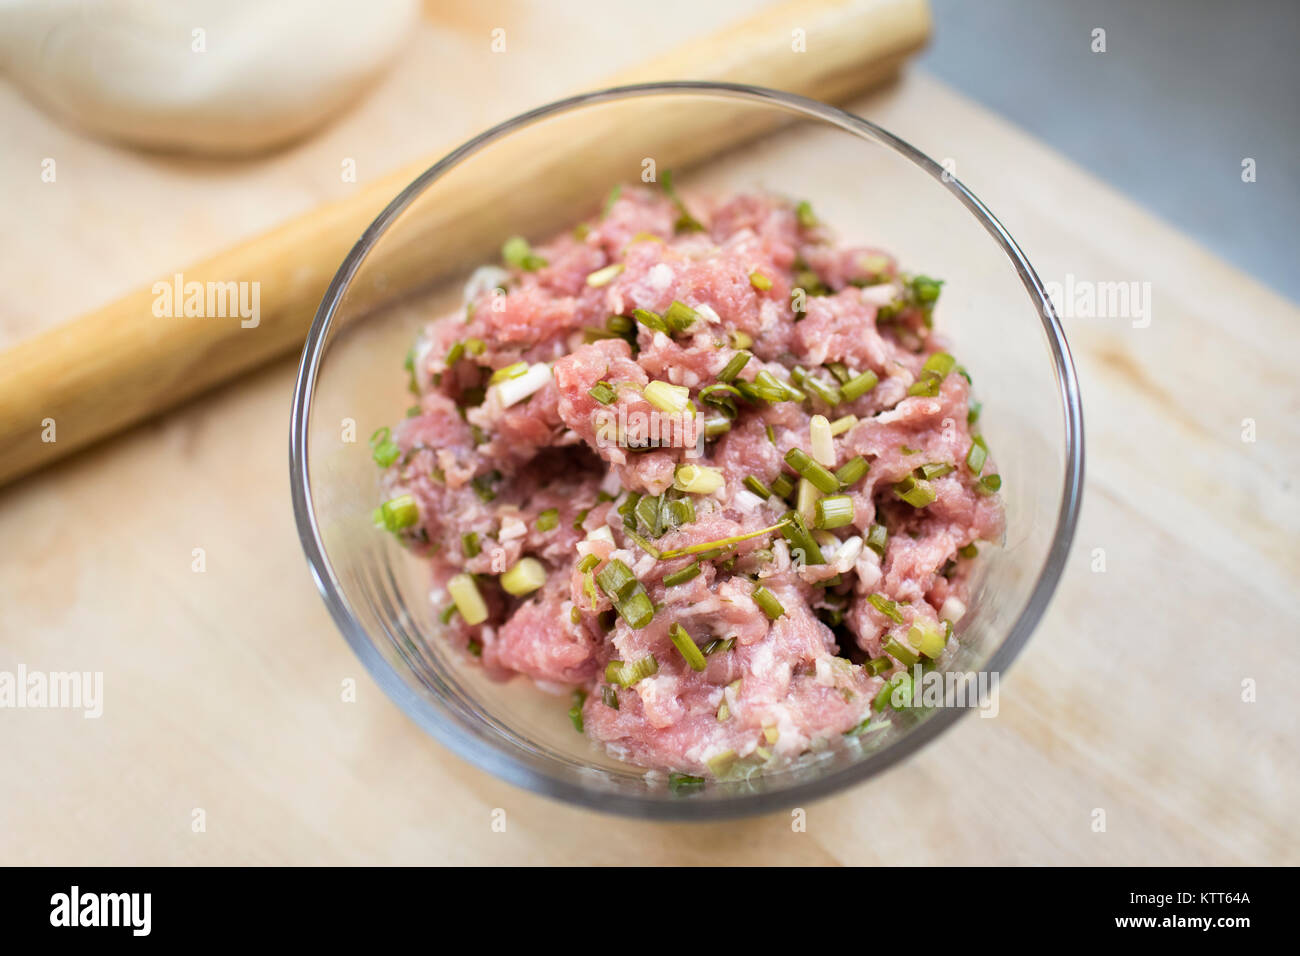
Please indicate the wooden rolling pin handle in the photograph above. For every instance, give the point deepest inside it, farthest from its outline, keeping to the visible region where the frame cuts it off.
(116, 366)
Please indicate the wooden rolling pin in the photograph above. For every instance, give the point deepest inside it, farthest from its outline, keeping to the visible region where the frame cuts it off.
(120, 364)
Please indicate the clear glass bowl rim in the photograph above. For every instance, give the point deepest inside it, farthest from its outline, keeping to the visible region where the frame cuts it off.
(497, 761)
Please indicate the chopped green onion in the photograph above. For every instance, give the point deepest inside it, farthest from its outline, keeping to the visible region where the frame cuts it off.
(588, 563)
(768, 603)
(973, 415)
(782, 485)
(603, 392)
(469, 544)
(928, 641)
(667, 397)
(927, 386)
(877, 666)
(719, 644)
(691, 570)
(475, 346)
(759, 281)
(821, 441)
(513, 370)
(637, 610)
(968, 551)
(842, 425)
(455, 353)
(609, 696)
(724, 712)
(680, 783)
(898, 682)
(733, 367)
(901, 652)
(447, 614)
(806, 500)
(625, 675)
(852, 471)
(878, 538)
(796, 533)
(800, 461)
(651, 320)
(603, 277)
(482, 484)
(705, 546)
(464, 592)
(580, 519)
(718, 425)
(989, 484)
(886, 607)
(548, 520)
(834, 512)
(697, 479)
(933, 470)
(685, 221)
(400, 512)
(687, 647)
(826, 392)
(859, 385)
(804, 214)
(840, 371)
(757, 487)
(679, 316)
(978, 454)
(518, 253)
(722, 397)
(383, 449)
(617, 580)
(940, 363)
(525, 577)
(719, 764)
(575, 712)
(648, 511)
(916, 493)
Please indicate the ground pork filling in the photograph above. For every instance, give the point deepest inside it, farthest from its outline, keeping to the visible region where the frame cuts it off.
(701, 466)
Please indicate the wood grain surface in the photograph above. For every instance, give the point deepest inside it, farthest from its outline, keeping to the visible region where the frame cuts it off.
(222, 689)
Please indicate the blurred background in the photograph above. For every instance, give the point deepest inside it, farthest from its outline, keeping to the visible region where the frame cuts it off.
(154, 541)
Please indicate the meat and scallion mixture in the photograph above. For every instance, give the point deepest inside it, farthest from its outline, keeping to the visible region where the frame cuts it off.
(704, 468)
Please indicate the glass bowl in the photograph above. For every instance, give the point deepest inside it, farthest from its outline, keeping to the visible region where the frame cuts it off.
(536, 174)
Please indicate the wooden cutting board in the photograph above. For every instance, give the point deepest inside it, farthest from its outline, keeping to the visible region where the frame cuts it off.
(223, 688)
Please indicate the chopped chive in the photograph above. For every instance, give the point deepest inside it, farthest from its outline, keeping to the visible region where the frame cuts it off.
(667, 397)
(603, 392)
(691, 570)
(989, 484)
(968, 551)
(916, 493)
(679, 316)
(719, 645)
(518, 253)
(877, 666)
(802, 463)
(580, 518)
(464, 592)
(901, 652)
(978, 454)
(840, 371)
(842, 425)
(603, 277)
(768, 603)
(455, 353)
(548, 520)
(637, 610)
(620, 324)
(928, 641)
(625, 674)
(826, 392)
(513, 370)
(718, 425)
(588, 563)
(628, 508)
(806, 499)
(611, 199)
(782, 485)
(771, 433)
(704, 547)
(834, 511)
(852, 471)
(804, 214)
(648, 512)
(400, 512)
(447, 614)
(760, 281)
(687, 647)
(757, 487)
(934, 469)
(940, 363)
(973, 415)
(927, 386)
(469, 544)
(617, 580)
(859, 385)
(722, 397)
(886, 607)
(733, 367)
(524, 577)
(878, 538)
(680, 783)
(796, 533)
(651, 320)
(383, 449)
(609, 696)
(575, 712)
(899, 682)
(698, 479)
(685, 221)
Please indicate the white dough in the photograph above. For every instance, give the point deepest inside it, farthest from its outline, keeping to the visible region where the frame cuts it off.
(208, 76)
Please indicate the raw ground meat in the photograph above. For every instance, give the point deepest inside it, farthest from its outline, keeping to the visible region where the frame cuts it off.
(508, 457)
